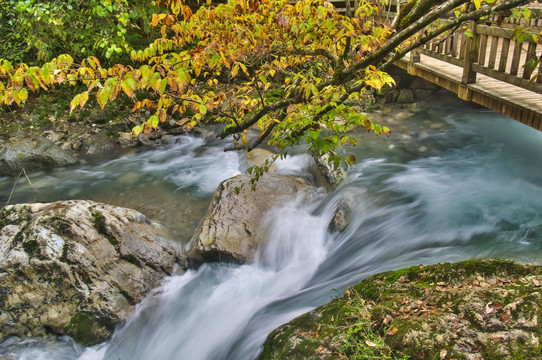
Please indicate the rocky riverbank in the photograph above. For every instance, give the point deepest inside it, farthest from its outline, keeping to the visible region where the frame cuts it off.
(477, 309)
(77, 268)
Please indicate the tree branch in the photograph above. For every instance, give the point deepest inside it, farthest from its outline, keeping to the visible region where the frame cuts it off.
(260, 114)
(267, 131)
(334, 59)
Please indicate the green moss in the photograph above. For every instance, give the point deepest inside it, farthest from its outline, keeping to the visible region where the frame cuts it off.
(89, 330)
(64, 257)
(31, 247)
(425, 310)
(4, 214)
(100, 225)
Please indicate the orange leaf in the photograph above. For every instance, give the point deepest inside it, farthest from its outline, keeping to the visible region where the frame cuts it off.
(162, 115)
(392, 331)
(154, 21)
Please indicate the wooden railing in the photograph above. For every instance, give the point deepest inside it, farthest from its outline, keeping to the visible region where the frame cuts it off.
(489, 50)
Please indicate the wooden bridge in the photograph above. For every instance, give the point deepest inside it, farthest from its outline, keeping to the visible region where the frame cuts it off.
(487, 66)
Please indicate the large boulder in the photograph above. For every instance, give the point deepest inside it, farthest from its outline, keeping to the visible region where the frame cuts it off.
(476, 309)
(76, 268)
(31, 153)
(230, 231)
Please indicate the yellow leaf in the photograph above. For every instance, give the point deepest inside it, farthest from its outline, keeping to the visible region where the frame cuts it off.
(235, 70)
(75, 102)
(392, 331)
(83, 100)
(23, 94)
(154, 20)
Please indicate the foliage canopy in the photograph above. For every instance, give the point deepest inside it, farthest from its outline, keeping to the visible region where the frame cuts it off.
(285, 69)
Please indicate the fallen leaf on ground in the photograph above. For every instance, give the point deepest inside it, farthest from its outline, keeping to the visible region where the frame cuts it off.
(392, 331)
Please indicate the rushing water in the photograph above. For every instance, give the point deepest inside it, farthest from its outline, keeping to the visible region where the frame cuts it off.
(453, 182)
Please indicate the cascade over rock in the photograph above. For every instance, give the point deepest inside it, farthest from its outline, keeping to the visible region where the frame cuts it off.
(31, 153)
(76, 268)
(230, 231)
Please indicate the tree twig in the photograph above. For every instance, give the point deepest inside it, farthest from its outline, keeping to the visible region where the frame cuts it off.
(14, 185)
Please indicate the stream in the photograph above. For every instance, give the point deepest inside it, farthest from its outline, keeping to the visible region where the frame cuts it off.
(453, 182)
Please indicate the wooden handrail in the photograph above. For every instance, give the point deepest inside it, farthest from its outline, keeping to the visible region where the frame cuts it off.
(507, 60)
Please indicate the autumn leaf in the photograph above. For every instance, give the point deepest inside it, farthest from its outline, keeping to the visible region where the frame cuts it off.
(388, 319)
(370, 343)
(392, 331)
(162, 115)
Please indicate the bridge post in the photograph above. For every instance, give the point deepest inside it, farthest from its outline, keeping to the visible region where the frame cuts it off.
(472, 44)
(415, 56)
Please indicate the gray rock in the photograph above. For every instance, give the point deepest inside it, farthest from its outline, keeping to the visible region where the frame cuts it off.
(405, 96)
(31, 153)
(261, 157)
(230, 231)
(341, 218)
(332, 175)
(76, 268)
(144, 140)
(98, 144)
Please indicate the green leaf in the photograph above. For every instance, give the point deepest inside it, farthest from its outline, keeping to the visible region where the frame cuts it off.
(75, 102)
(129, 86)
(214, 60)
(163, 84)
(153, 121)
(23, 94)
(103, 96)
(45, 74)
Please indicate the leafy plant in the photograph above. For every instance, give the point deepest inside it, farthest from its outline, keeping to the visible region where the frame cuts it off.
(224, 63)
(35, 31)
(359, 339)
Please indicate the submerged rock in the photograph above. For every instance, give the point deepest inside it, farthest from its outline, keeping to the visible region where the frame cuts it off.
(31, 153)
(230, 231)
(477, 309)
(76, 268)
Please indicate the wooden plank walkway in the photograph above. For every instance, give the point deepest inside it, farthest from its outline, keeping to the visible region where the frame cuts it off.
(513, 101)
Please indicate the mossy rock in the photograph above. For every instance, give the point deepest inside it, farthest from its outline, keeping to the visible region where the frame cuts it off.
(89, 329)
(476, 309)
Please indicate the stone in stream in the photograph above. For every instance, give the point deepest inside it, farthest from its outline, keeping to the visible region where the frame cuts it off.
(77, 268)
(31, 153)
(475, 309)
(230, 231)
